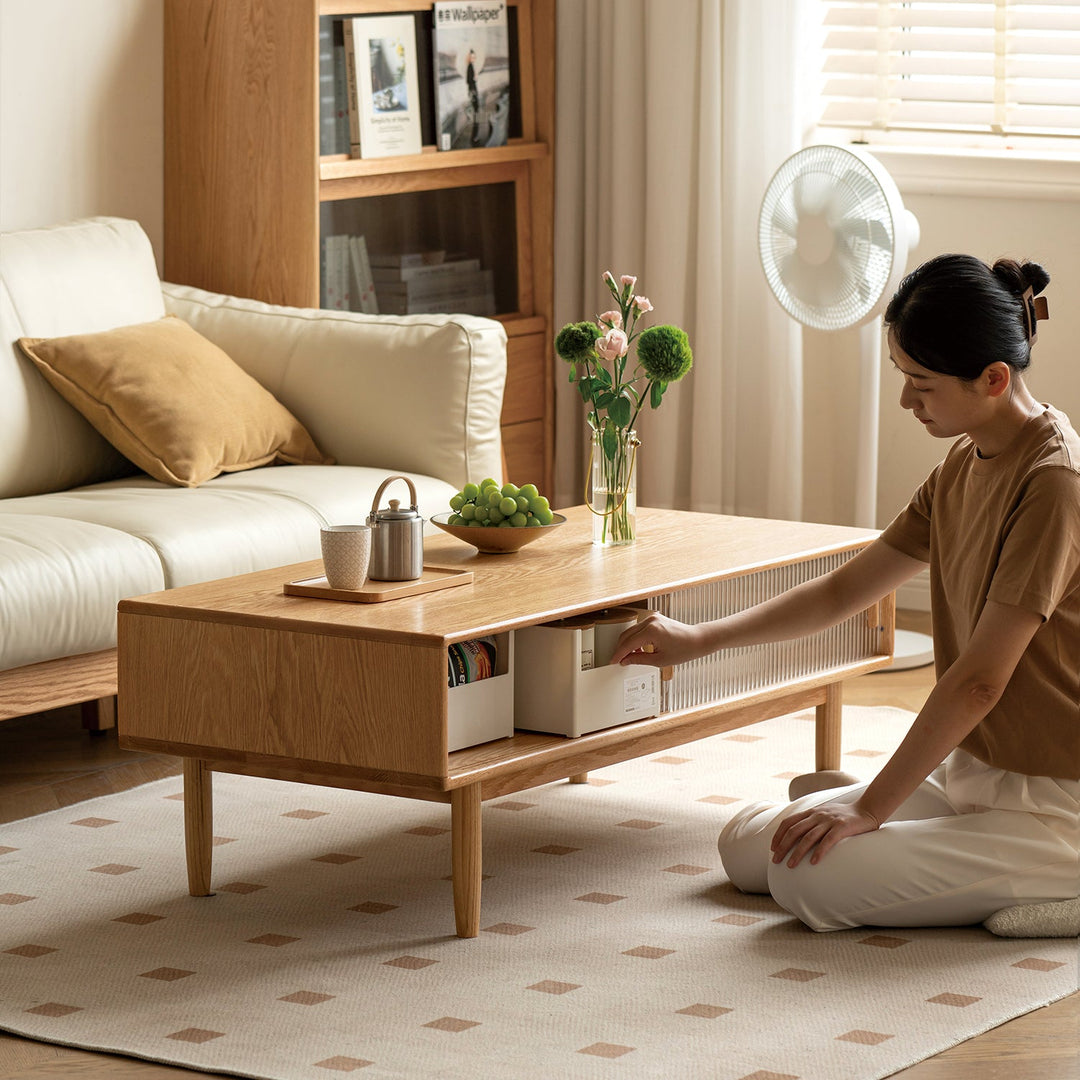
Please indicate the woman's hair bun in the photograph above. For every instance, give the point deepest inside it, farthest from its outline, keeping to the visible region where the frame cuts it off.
(1017, 276)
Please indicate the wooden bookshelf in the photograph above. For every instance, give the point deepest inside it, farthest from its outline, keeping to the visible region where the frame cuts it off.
(247, 193)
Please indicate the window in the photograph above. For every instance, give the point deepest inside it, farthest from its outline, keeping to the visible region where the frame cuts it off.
(1006, 70)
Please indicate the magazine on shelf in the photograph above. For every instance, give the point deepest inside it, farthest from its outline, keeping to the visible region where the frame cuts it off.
(471, 42)
(384, 99)
(346, 284)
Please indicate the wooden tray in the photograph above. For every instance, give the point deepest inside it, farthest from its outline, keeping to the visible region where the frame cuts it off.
(374, 592)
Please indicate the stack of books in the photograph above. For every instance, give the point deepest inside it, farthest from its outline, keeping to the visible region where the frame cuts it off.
(422, 282)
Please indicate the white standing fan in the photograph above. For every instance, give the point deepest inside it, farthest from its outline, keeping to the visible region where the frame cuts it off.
(834, 238)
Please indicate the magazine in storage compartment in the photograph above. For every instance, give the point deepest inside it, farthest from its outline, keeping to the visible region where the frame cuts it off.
(564, 687)
(482, 710)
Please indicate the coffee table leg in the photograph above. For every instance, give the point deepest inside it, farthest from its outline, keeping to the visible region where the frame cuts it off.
(579, 778)
(198, 824)
(466, 858)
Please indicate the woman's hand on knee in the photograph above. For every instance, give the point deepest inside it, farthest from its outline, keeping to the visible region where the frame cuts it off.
(817, 831)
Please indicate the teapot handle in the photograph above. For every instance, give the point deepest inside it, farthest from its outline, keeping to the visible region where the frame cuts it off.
(383, 486)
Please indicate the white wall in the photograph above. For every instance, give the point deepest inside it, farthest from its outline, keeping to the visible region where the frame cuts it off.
(81, 112)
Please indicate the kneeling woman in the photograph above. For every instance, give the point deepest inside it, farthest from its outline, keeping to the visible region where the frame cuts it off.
(977, 809)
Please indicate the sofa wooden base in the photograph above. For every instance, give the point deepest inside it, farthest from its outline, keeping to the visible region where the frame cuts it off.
(88, 679)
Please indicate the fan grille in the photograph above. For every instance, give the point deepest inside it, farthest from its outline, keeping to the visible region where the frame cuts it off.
(826, 237)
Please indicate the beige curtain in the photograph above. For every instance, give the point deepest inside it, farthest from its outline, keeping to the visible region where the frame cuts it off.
(672, 116)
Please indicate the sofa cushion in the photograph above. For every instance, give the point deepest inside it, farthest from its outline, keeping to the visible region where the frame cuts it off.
(60, 581)
(234, 524)
(171, 401)
(70, 279)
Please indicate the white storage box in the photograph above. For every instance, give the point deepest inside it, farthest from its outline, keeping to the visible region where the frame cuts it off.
(480, 711)
(553, 693)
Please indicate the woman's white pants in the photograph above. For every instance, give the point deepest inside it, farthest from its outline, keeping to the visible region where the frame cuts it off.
(970, 841)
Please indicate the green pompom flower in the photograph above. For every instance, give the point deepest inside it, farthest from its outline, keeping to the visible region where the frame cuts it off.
(576, 342)
(664, 352)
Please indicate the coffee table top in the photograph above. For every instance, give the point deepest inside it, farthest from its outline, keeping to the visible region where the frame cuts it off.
(563, 574)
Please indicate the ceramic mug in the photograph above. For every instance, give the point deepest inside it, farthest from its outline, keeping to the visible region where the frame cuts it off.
(346, 552)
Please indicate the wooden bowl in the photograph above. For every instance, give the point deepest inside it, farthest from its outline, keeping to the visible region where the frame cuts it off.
(492, 540)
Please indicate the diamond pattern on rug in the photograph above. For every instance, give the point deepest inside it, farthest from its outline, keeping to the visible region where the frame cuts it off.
(451, 1023)
(343, 1064)
(241, 887)
(552, 986)
(1032, 963)
(31, 952)
(306, 997)
(362, 973)
(54, 1009)
(410, 963)
(865, 1038)
(959, 1001)
(15, 898)
(195, 1035)
(797, 975)
(606, 1050)
(138, 918)
(705, 1012)
(95, 822)
(115, 869)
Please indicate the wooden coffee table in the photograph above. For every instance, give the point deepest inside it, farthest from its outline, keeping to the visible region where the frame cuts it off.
(234, 676)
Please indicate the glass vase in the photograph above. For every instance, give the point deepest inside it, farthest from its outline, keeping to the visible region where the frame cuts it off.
(614, 487)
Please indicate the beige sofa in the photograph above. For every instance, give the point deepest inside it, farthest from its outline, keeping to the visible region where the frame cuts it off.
(81, 528)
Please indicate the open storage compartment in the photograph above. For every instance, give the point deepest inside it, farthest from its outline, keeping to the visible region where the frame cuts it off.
(480, 711)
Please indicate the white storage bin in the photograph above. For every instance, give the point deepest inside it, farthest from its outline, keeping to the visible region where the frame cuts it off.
(553, 693)
(480, 711)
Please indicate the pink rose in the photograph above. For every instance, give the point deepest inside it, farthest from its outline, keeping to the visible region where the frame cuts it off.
(642, 304)
(612, 345)
(612, 319)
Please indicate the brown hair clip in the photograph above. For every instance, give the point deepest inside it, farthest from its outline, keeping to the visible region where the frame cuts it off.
(1035, 308)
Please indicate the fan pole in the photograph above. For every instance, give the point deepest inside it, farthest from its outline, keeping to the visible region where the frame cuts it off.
(866, 465)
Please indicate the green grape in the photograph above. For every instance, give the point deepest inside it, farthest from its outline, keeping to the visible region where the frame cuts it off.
(533, 523)
(538, 503)
(476, 524)
(482, 514)
(487, 482)
(509, 490)
(494, 497)
(456, 519)
(505, 524)
(518, 520)
(544, 516)
(457, 501)
(530, 491)
(495, 515)
(508, 506)
(468, 511)
(470, 491)
(522, 501)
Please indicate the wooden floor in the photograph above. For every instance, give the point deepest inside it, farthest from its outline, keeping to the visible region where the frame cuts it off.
(48, 761)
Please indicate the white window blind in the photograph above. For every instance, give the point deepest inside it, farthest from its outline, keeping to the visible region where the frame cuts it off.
(995, 67)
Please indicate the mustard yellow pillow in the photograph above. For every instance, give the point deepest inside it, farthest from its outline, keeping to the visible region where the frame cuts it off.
(172, 402)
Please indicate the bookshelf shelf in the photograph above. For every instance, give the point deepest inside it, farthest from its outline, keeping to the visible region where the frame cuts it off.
(339, 166)
(248, 197)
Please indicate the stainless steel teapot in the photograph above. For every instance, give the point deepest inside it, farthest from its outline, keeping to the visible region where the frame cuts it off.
(397, 537)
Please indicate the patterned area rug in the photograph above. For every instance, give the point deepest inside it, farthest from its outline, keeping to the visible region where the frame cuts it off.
(611, 943)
